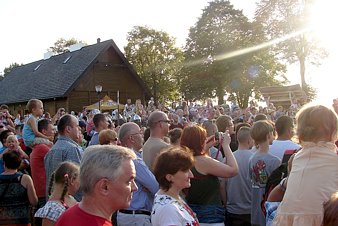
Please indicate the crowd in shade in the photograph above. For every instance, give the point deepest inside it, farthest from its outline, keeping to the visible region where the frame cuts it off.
(186, 164)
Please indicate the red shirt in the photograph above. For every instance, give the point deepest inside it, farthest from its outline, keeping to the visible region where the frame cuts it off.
(75, 216)
(38, 168)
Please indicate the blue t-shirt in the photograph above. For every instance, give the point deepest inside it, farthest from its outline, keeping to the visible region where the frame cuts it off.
(2, 168)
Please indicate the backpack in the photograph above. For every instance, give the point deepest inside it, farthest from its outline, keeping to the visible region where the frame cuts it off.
(276, 177)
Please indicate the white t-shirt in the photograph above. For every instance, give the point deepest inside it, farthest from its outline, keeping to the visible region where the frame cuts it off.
(278, 147)
(168, 211)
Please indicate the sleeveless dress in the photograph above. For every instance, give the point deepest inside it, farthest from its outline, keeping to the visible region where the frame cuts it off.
(14, 203)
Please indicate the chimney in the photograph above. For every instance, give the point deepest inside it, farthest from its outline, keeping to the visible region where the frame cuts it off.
(47, 55)
(98, 40)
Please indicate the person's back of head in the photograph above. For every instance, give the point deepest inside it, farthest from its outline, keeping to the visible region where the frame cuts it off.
(12, 160)
(194, 137)
(243, 135)
(64, 122)
(316, 123)
(175, 136)
(64, 174)
(260, 116)
(283, 125)
(107, 136)
(260, 131)
(330, 211)
(210, 127)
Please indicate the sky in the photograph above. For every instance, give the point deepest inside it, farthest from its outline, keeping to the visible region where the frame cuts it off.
(28, 28)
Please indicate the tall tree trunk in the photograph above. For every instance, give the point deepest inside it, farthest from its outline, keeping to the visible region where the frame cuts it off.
(220, 95)
(302, 72)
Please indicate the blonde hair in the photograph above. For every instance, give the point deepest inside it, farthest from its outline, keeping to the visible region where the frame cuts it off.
(316, 123)
(32, 103)
(12, 137)
(260, 130)
(107, 136)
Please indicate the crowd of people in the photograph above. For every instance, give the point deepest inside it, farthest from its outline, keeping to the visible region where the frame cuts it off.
(187, 164)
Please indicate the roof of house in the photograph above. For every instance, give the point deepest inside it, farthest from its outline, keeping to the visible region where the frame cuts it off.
(56, 76)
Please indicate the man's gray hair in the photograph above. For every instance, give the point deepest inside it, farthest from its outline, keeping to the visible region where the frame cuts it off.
(102, 161)
(124, 130)
(154, 118)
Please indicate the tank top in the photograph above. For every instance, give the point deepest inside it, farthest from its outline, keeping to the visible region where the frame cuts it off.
(204, 189)
(27, 132)
(14, 203)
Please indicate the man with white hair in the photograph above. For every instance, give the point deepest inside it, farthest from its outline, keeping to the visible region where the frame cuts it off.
(139, 212)
(107, 174)
(158, 123)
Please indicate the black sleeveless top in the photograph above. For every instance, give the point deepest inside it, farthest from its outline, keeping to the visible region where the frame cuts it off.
(14, 202)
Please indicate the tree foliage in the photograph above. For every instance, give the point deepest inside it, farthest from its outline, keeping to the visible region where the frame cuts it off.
(62, 45)
(216, 60)
(290, 20)
(156, 59)
(8, 69)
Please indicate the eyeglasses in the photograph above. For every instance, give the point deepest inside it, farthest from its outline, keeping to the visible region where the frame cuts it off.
(166, 121)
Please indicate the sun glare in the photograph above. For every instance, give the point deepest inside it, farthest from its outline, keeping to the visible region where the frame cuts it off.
(323, 16)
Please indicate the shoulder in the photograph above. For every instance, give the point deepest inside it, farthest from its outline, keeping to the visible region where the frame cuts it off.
(52, 210)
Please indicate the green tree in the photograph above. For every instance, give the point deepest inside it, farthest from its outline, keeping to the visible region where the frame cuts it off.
(219, 56)
(289, 20)
(156, 59)
(62, 45)
(8, 69)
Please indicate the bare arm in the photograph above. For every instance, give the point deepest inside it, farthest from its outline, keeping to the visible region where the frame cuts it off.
(47, 222)
(32, 123)
(27, 182)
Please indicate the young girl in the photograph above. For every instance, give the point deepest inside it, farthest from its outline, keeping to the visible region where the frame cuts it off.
(30, 129)
(13, 144)
(64, 183)
(314, 174)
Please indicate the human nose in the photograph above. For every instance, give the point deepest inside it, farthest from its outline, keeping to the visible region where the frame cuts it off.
(134, 186)
(190, 174)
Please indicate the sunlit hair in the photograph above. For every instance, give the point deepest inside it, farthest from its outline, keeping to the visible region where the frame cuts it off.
(210, 127)
(194, 137)
(175, 134)
(223, 122)
(316, 123)
(170, 161)
(12, 138)
(107, 136)
(259, 117)
(330, 211)
(65, 172)
(102, 161)
(260, 130)
(32, 103)
(243, 134)
(283, 123)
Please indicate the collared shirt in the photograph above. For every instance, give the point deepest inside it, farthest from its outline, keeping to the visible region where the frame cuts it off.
(65, 149)
(147, 186)
(95, 139)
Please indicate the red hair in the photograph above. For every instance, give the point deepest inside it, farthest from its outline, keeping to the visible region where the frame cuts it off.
(194, 137)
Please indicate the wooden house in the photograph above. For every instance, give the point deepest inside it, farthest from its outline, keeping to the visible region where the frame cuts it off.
(68, 80)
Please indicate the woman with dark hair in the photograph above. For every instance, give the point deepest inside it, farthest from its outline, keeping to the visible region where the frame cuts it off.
(17, 192)
(204, 194)
(64, 183)
(172, 171)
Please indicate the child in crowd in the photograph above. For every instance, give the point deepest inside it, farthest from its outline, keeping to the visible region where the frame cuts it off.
(30, 129)
(64, 183)
(13, 144)
(261, 165)
(314, 174)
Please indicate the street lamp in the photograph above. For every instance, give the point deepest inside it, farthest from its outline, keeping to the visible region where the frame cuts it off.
(98, 89)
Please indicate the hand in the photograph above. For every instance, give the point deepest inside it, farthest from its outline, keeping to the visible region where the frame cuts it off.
(226, 139)
(209, 142)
